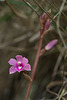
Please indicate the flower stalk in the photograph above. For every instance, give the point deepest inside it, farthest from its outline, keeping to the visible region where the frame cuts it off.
(27, 77)
(45, 24)
(34, 68)
(44, 27)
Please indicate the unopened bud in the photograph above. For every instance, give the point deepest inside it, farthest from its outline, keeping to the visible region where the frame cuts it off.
(51, 44)
(43, 20)
(47, 25)
(43, 16)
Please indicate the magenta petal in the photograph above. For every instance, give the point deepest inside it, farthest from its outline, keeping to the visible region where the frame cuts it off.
(27, 67)
(25, 61)
(19, 58)
(12, 61)
(51, 44)
(12, 70)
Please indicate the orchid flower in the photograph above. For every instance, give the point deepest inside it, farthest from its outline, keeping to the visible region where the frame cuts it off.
(19, 64)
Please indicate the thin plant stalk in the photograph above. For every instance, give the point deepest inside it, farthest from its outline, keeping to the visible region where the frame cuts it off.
(34, 68)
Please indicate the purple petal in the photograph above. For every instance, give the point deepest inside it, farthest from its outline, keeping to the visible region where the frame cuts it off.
(27, 67)
(12, 61)
(12, 70)
(25, 61)
(51, 44)
(19, 58)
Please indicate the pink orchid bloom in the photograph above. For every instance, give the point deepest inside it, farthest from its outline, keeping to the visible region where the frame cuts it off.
(51, 44)
(19, 64)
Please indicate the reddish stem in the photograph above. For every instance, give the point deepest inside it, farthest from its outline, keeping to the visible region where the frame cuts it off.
(34, 67)
(42, 51)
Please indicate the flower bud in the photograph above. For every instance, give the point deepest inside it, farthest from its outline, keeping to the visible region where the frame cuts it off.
(42, 20)
(43, 16)
(47, 25)
(51, 44)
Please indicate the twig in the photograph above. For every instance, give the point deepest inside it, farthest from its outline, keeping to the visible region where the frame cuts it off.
(56, 8)
(43, 9)
(31, 7)
(53, 84)
(59, 32)
(14, 10)
(58, 62)
(49, 15)
(61, 94)
(56, 15)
